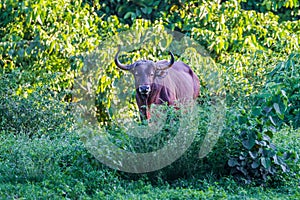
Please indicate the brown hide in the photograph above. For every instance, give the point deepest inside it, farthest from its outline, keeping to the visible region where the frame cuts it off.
(178, 83)
(161, 82)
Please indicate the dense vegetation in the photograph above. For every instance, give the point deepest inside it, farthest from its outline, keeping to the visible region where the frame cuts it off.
(254, 45)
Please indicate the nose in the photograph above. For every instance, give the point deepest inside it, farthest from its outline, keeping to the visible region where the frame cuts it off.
(144, 89)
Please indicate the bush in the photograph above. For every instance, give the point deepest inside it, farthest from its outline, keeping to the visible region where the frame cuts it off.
(287, 10)
(41, 40)
(270, 109)
(37, 113)
(42, 47)
(281, 95)
(129, 11)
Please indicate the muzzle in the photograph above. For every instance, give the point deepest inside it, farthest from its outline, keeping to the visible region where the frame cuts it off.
(144, 89)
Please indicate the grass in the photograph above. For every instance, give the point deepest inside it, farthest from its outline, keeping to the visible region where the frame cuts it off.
(61, 168)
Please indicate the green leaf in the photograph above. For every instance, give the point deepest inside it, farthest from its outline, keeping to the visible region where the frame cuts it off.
(127, 15)
(253, 155)
(232, 162)
(276, 107)
(249, 143)
(284, 168)
(266, 137)
(283, 93)
(268, 133)
(277, 160)
(243, 170)
(156, 3)
(261, 143)
(272, 121)
(256, 111)
(266, 162)
(38, 19)
(52, 45)
(255, 164)
(147, 10)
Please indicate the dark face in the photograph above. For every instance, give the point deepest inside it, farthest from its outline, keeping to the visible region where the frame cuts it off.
(144, 74)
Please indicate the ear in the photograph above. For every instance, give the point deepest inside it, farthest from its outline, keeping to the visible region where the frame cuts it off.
(161, 73)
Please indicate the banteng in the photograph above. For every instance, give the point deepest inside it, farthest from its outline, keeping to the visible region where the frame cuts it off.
(161, 82)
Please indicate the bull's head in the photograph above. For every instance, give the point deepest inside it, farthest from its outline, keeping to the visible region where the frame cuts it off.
(144, 72)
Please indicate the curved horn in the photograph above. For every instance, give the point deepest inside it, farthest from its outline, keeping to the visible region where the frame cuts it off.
(119, 64)
(164, 67)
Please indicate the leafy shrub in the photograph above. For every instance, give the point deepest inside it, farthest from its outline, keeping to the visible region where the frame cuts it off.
(41, 53)
(33, 114)
(287, 10)
(281, 95)
(258, 159)
(40, 39)
(287, 137)
(128, 11)
(275, 105)
(50, 166)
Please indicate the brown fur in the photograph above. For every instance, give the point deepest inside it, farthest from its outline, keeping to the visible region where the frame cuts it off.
(178, 83)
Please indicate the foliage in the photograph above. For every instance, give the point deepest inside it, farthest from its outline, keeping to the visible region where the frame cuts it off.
(275, 105)
(45, 45)
(128, 11)
(51, 164)
(43, 39)
(236, 37)
(281, 95)
(61, 168)
(258, 159)
(287, 10)
(36, 113)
